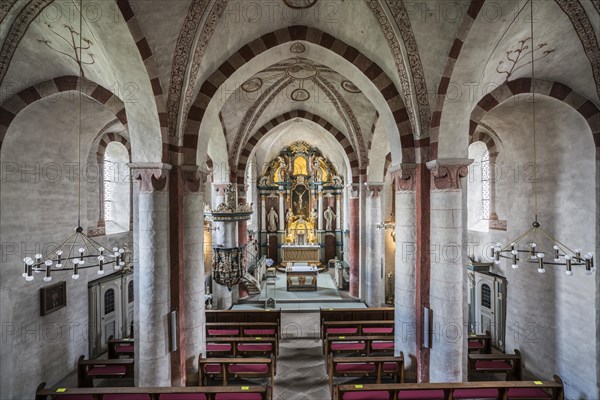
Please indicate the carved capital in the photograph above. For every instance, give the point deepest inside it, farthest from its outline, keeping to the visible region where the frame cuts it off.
(374, 188)
(194, 178)
(446, 173)
(354, 189)
(404, 177)
(152, 176)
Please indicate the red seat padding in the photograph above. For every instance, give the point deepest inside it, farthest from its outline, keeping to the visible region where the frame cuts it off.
(376, 329)
(98, 370)
(344, 368)
(125, 397)
(433, 394)
(218, 347)
(249, 368)
(390, 367)
(338, 331)
(382, 345)
(223, 332)
(238, 396)
(124, 348)
(476, 394)
(527, 393)
(475, 345)
(493, 365)
(212, 368)
(183, 396)
(258, 332)
(347, 346)
(374, 395)
(255, 347)
(75, 397)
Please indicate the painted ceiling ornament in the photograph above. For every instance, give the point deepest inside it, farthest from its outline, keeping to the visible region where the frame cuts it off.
(520, 57)
(299, 4)
(297, 48)
(72, 38)
(300, 94)
(252, 85)
(350, 87)
(301, 70)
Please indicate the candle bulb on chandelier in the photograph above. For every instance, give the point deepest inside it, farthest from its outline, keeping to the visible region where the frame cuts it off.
(48, 278)
(540, 257)
(568, 261)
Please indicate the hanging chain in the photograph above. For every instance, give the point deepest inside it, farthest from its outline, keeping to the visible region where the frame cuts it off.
(79, 124)
(533, 112)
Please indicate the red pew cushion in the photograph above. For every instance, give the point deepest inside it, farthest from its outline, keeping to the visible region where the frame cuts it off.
(433, 394)
(212, 368)
(378, 329)
(238, 396)
(125, 397)
(374, 395)
(343, 368)
(337, 346)
(338, 331)
(258, 332)
(223, 332)
(476, 394)
(527, 393)
(390, 367)
(493, 365)
(254, 347)
(124, 348)
(107, 370)
(475, 345)
(249, 368)
(218, 347)
(183, 396)
(75, 397)
(382, 345)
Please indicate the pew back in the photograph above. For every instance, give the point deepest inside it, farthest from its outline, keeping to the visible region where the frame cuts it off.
(88, 370)
(356, 314)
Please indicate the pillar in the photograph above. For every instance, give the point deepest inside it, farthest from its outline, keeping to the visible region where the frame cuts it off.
(242, 232)
(405, 260)
(193, 223)
(263, 213)
(338, 212)
(281, 212)
(152, 357)
(223, 298)
(447, 293)
(375, 269)
(320, 211)
(354, 239)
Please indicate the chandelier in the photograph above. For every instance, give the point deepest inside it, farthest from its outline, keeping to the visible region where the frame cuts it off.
(561, 255)
(78, 251)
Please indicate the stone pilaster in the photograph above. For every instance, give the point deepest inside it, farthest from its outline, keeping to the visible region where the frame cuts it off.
(152, 357)
(405, 260)
(354, 239)
(447, 292)
(375, 270)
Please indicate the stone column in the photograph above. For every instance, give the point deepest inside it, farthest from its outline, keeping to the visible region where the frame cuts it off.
(375, 270)
(447, 293)
(193, 220)
(281, 211)
(338, 212)
(354, 239)
(404, 272)
(152, 357)
(263, 213)
(242, 232)
(320, 210)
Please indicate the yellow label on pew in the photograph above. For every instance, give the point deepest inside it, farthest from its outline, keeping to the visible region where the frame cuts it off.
(258, 338)
(61, 390)
(358, 386)
(245, 387)
(538, 382)
(331, 309)
(342, 337)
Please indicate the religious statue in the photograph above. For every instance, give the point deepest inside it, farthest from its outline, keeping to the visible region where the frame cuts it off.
(289, 215)
(316, 169)
(282, 169)
(273, 219)
(329, 217)
(313, 217)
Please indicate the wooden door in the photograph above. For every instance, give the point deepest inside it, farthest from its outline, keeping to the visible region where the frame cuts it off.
(330, 248)
(272, 250)
(485, 305)
(110, 312)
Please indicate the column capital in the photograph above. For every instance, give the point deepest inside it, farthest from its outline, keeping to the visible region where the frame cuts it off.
(354, 189)
(374, 188)
(194, 178)
(446, 173)
(404, 176)
(152, 176)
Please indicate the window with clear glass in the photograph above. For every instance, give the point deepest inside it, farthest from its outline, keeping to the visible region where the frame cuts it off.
(486, 296)
(109, 301)
(130, 292)
(485, 185)
(117, 188)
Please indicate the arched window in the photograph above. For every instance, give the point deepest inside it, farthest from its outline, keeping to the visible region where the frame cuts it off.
(485, 185)
(486, 296)
(117, 188)
(109, 301)
(130, 292)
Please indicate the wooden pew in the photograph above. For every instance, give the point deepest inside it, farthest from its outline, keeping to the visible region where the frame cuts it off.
(245, 316)
(479, 343)
(88, 370)
(120, 347)
(369, 327)
(243, 329)
(355, 314)
(235, 368)
(377, 367)
(253, 392)
(365, 345)
(241, 346)
(504, 390)
(510, 364)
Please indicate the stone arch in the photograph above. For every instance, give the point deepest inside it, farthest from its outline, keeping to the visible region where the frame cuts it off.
(486, 138)
(263, 130)
(108, 138)
(557, 90)
(285, 35)
(13, 106)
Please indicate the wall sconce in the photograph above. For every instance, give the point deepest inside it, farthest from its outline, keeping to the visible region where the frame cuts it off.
(251, 234)
(346, 232)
